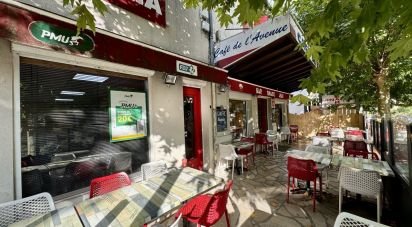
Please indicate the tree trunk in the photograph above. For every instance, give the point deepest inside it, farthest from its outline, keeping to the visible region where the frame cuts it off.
(380, 76)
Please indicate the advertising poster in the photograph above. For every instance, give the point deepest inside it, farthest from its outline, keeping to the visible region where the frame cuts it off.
(127, 115)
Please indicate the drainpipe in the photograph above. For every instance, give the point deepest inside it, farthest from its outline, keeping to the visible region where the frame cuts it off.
(213, 90)
(211, 43)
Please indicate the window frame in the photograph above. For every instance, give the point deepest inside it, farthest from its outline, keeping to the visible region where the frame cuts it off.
(21, 51)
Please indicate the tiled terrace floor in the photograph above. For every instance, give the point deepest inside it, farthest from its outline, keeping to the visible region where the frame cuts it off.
(259, 197)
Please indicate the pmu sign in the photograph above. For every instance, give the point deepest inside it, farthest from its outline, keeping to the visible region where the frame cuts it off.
(152, 10)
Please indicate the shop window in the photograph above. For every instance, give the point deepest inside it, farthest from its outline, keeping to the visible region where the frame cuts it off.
(238, 118)
(277, 117)
(67, 126)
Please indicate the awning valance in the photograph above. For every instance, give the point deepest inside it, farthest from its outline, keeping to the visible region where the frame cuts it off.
(266, 55)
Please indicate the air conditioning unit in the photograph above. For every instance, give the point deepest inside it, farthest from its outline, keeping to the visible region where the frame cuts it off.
(205, 26)
(219, 35)
(204, 15)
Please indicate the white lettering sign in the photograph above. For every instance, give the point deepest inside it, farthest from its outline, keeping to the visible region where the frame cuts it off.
(261, 35)
(70, 40)
(258, 91)
(151, 4)
(186, 68)
(270, 93)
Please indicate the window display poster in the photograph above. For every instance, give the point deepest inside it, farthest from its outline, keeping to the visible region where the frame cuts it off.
(128, 119)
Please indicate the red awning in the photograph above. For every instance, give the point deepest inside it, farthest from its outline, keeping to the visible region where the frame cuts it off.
(278, 66)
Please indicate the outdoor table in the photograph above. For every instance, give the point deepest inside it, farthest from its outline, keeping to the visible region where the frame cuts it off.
(65, 216)
(239, 144)
(324, 159)
(337, 160)
(382, 167)
(145, 201)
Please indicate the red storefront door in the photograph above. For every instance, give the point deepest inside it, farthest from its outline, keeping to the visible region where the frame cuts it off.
(193, 127)
(263, 117)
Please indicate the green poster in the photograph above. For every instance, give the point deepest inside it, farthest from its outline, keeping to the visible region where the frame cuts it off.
(127, 115)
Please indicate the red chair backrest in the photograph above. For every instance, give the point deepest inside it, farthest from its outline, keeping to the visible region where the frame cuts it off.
(322, 134)
(103, 185)
(357, 154)
(355, 149)
(217, 206)
(247, 139)
(246, 150)
(355, 145)
(261, 138)
(302, 169)
(354, 132)
(294, 128)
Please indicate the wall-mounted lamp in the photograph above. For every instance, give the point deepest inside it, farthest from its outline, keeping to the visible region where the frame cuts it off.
(170, 79)
(222, 88)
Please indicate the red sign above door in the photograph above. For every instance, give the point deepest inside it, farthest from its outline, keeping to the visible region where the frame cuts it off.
(245, 87)
(152, 10)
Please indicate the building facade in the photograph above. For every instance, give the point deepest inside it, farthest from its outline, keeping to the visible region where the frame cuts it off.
(75, 106)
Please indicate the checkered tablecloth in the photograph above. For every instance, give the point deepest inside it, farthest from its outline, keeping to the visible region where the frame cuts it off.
(337, 160)
(65, 216)
(324, 159)
(144, 201)
(382, 167)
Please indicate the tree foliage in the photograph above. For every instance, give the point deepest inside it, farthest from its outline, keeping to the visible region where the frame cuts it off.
(358, 80)
(85, 19)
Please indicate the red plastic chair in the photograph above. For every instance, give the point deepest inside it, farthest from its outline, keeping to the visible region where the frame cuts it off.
(261, 139)
(304, 170)
(207, 209)
(326, 133)
(354, 132)
(103, 185)
(355, 149)
(294, 132)
(249, 151)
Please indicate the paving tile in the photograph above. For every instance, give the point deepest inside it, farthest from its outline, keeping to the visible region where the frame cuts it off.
(259, 196)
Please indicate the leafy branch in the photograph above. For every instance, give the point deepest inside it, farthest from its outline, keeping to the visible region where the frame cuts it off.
(85, 19)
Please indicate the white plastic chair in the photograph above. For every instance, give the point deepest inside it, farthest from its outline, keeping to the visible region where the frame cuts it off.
(364, 182)
(345, 219)
(153, 169)
(273, 137)
(228, 153)
(285, 133)
(321, 141)
(25, 208)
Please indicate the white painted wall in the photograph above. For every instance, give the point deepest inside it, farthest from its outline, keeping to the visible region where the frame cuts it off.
(166, 140)
(6, 123)
(182, 34)
(297, 108)
(207, 127)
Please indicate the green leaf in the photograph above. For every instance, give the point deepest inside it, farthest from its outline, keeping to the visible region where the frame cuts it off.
(302, 99)
(100, 6)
